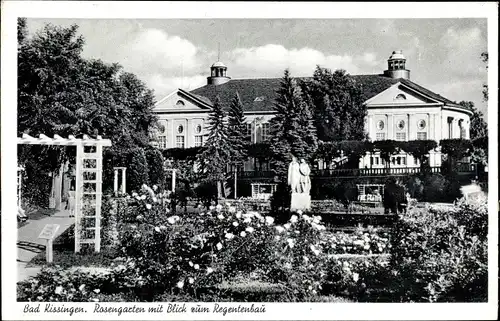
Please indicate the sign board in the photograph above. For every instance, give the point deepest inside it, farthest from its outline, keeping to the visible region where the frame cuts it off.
(49, 231)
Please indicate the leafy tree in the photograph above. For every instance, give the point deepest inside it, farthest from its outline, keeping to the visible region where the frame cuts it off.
(485, 58)
(455, 149)
(236, 130)
(292, 131)
(478, 130)
(156, 167)
(137, 171)
(216, 155)
(60, 92)
(338, 107)
(355, 149)
(419, 149)
(387, 148)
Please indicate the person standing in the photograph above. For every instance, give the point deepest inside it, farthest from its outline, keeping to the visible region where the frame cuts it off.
(71, 201)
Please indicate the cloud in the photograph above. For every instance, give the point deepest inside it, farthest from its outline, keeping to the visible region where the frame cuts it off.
(272, 59)
(165, 84)
(464, 47)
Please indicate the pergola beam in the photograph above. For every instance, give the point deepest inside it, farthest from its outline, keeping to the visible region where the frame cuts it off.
(58, 140)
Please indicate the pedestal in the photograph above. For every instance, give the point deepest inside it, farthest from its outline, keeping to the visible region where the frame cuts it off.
(300, 201)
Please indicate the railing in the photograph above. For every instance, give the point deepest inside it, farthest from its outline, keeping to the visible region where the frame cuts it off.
(400, 171)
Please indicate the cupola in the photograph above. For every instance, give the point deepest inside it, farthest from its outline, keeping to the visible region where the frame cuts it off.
(397, 66)
(218, 74)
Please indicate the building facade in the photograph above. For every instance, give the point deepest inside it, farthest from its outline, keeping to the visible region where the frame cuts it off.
(398, 109)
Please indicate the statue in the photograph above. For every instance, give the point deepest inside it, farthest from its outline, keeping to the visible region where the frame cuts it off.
(300, 184)
(294, 175)
(305, 181)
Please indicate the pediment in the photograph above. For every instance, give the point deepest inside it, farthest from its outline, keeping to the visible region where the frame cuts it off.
(181, 101)
(399, 95)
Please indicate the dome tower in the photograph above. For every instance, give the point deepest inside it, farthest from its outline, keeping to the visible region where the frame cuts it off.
(218, 74)
(397, 66)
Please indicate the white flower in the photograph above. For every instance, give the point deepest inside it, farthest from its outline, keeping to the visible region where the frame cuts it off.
(235, 224)
(180, 284)
(247, 220)
(220, 217)
(155, 199)
(299, 212)
(211, 207)
(97, 290)
(280, 229)
(231, 209)
(305, 258)
(316, 252)
(229, 236)
(219, 246)
(139, 217)
(290, 243)
(306, 218)
(367, 247)
(288, 266)
(243, 234)
(249, 229)
(209, 270)
(314, 292)
(310, 288)
(277, 237)
(157, 229)
(196, 267)
(155, 187)
(269, 220)
(355, 277)
(293, 219)
(191, 280)
(134, 194)
(218, 207)
(238, 214)
(228, 204)
(287, 226)
(148, 206)
(190, 264)
(143, 197)
(171, 220)
(163, 227)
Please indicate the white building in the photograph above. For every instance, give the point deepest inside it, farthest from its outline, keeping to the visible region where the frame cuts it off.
(398, 109)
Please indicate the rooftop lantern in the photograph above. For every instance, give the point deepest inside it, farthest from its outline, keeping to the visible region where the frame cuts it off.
(397, 66)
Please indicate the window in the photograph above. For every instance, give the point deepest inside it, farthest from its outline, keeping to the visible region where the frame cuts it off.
(180, 103)
(250, 131)
(380, 136)
(462, 128)
(265, 131)
(162, 142)
(401, 125)
(380, 125)
(421, 135)
(198, 129)
(400, 97)
(198, 140)
(401, 136)
(415, 161)
(179, 142)
(180, 129)
(403, 160)
(421, 124)
(450, 127)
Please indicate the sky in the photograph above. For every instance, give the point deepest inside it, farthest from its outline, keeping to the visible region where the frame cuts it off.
(442, 54)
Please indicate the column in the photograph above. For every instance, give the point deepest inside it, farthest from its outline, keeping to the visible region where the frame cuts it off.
(124, 180)
(173, 180)
(371, 132)
(58, 187)
(430, 130)
(390, 126)
(437, 128)
(409, 135)
(115, 182)
(189, 139)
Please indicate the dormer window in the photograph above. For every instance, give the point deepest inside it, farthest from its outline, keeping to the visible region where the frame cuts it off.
(400, 97)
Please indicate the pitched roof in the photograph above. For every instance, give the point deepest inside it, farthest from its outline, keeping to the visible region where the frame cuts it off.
(258, 95)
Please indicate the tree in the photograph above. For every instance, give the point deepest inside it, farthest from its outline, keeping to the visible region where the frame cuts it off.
(137, 171)
(216, 156)
(236, 130)
(455, 149)
(419, 149)
(60, 92)
(355, 149)
(292, 130)
(485, 57)
(156, 167)
(478, 130)
(338, 107)
(387, 148)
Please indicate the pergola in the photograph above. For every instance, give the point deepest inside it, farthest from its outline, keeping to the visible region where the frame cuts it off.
(88, 189)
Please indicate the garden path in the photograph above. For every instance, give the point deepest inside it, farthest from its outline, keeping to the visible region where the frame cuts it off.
(29, 245)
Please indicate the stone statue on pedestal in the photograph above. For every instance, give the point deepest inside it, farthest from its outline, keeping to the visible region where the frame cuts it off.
(300, 184)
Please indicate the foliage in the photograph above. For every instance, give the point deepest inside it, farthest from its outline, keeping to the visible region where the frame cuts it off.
(354, 150)
(387, 148)
(137, 171)
(485, 58)
(216, 154)
(156, 170)
(328, 150)
(260, 150)
(292, 132)
(441, 255)
(182, 153)
(237, 130)
(456, 148)
(478, 133)
(338, 108)
(394, 197)
(419, 149)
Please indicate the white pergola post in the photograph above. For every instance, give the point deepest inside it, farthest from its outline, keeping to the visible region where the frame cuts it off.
(20, 171)
(115, 182)
(85, 175)
(124, 180)
(173, 180)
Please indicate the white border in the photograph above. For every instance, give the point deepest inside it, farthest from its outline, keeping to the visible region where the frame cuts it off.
(205, 10)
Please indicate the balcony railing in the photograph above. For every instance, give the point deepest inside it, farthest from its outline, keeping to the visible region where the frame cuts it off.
(398, 171)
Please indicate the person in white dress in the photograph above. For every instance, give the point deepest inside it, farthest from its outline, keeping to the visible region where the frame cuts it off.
(294, 175)
(71, 201)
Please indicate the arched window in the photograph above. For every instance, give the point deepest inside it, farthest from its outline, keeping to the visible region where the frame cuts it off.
(179, 103)
(400, 97)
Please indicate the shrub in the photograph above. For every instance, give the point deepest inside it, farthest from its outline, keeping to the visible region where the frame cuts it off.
(415, 187)
(438, 255)
(394, 197)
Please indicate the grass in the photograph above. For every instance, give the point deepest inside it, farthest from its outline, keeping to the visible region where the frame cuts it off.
(68, 258)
